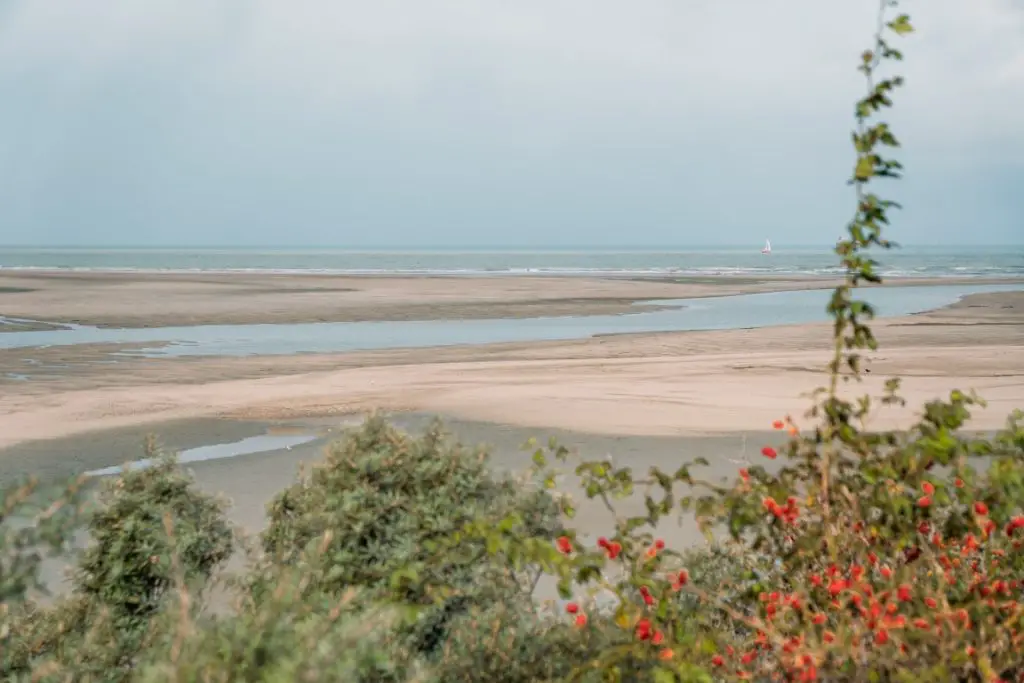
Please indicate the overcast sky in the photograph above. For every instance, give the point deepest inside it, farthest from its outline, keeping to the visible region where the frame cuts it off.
(494, 122)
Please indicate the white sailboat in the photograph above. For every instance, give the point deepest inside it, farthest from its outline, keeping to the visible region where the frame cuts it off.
(767, 247)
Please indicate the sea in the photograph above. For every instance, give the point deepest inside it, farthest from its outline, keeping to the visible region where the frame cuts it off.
(910, 261)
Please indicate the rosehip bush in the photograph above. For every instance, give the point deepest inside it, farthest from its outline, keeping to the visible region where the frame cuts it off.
(865, 556)
(858, 555)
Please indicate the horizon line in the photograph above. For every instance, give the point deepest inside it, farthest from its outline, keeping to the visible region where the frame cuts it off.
(476, 247)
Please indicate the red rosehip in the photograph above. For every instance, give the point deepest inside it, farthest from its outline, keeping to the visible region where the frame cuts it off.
(564, 544)
(643, 629)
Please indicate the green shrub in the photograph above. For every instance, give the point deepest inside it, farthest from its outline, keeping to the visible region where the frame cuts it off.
(372, 510)
(34, 522)
(150, 530)
(153, 528)
(291, 637)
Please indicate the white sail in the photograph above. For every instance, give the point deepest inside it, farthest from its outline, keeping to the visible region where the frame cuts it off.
(767, 247)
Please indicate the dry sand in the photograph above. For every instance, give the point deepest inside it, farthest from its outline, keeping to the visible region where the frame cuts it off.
(663, 384)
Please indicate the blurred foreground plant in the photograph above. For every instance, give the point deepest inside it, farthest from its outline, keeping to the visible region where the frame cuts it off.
(862, 555)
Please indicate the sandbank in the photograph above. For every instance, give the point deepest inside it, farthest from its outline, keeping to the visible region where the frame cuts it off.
(691, 383)
(127, 299)
(107, 299)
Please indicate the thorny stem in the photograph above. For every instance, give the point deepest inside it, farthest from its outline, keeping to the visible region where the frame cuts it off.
(852, 274)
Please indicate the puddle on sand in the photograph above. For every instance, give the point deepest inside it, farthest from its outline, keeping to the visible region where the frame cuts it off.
(249, 446)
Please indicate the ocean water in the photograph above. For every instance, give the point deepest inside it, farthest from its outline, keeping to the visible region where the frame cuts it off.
(712, 313)
(784, 260)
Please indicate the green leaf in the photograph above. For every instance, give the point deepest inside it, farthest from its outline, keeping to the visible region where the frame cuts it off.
(664, 676)
(865, 169)
(901, 25)
(539, 459)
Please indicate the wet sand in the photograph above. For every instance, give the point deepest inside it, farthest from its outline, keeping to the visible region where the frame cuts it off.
(127, 299)
(176, 299)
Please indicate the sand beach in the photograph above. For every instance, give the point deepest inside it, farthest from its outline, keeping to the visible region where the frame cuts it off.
(646, 399)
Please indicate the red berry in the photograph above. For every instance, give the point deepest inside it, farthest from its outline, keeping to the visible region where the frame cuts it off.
(643, 629)
(769, 452)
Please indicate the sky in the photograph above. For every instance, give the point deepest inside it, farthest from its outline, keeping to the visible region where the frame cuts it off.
(560, 123)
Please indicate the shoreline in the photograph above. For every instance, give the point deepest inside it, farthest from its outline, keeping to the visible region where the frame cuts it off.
(126, 300)
(688, 383)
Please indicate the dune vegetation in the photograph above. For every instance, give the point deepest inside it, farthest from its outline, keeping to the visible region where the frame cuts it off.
(868, 556)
